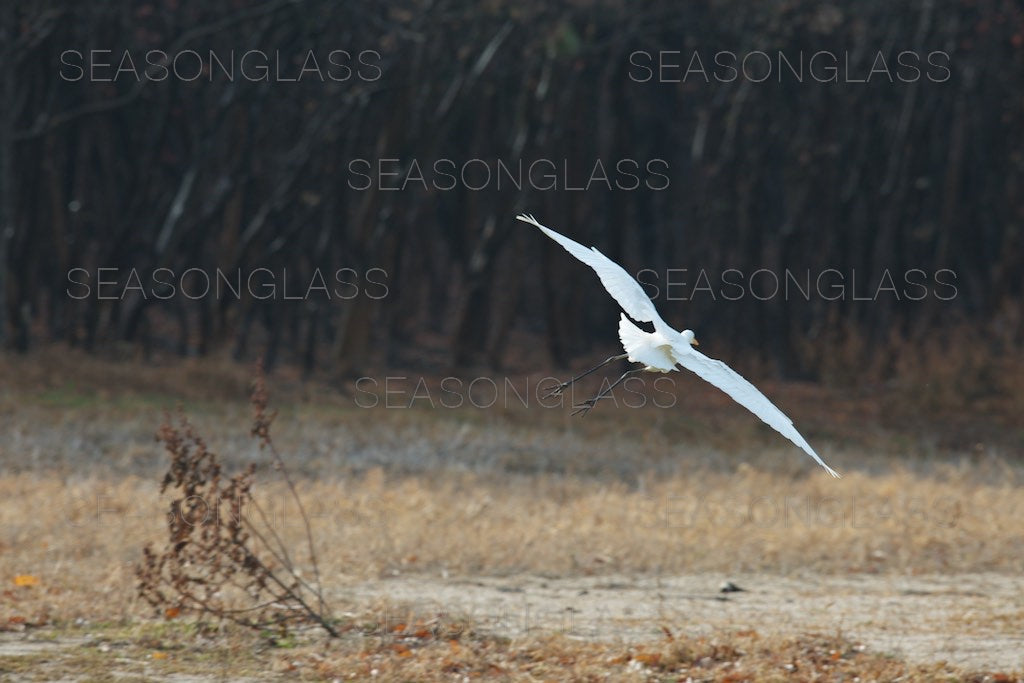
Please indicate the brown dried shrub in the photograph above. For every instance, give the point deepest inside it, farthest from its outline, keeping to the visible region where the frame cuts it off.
(222, 558)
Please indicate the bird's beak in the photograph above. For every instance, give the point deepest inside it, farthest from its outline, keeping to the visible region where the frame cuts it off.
(695, 342)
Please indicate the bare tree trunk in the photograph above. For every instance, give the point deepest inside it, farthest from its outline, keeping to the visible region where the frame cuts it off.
(7, 122)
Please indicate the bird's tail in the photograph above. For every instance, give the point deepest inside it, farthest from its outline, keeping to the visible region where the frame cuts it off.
(631, 336)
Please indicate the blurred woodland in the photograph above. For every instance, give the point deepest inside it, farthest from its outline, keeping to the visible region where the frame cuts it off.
(381, 160)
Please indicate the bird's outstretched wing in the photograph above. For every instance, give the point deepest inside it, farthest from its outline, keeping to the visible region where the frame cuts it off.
(620, 284)
(743, 392)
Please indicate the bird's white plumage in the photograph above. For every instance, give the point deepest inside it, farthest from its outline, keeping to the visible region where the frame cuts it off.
(623, 288)
(663, 349)
(743, 392)
(640, 347)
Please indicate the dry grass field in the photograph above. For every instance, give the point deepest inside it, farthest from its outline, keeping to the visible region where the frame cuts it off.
(514, 543)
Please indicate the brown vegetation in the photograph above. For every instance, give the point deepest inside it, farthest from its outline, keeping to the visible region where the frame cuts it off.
(509, 492)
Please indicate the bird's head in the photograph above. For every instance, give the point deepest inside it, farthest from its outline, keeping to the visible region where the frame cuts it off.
(688, 337)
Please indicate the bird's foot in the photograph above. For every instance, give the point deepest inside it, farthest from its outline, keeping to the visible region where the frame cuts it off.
(557, 391)
(584, 408)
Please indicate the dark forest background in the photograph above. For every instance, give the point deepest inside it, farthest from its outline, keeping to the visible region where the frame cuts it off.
(178, 165)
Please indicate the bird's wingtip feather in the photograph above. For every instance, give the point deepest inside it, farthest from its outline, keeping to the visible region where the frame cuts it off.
(832, 471)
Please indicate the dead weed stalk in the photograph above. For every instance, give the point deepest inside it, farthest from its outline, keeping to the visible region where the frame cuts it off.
(223, 557)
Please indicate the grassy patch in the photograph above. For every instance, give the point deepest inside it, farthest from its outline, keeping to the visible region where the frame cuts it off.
(422, 493)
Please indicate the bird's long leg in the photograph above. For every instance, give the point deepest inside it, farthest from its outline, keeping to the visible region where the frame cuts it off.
(585, 407)
(568, 383)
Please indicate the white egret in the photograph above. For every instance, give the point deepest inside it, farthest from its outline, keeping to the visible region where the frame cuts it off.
(664, 349)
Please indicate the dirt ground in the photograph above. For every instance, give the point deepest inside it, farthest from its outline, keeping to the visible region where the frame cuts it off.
(963, 623)
(973, 621)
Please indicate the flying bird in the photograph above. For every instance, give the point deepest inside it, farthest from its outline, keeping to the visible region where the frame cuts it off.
(664, 349)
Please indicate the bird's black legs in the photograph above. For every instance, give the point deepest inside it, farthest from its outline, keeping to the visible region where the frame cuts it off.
(584, 407)
(565, 385)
